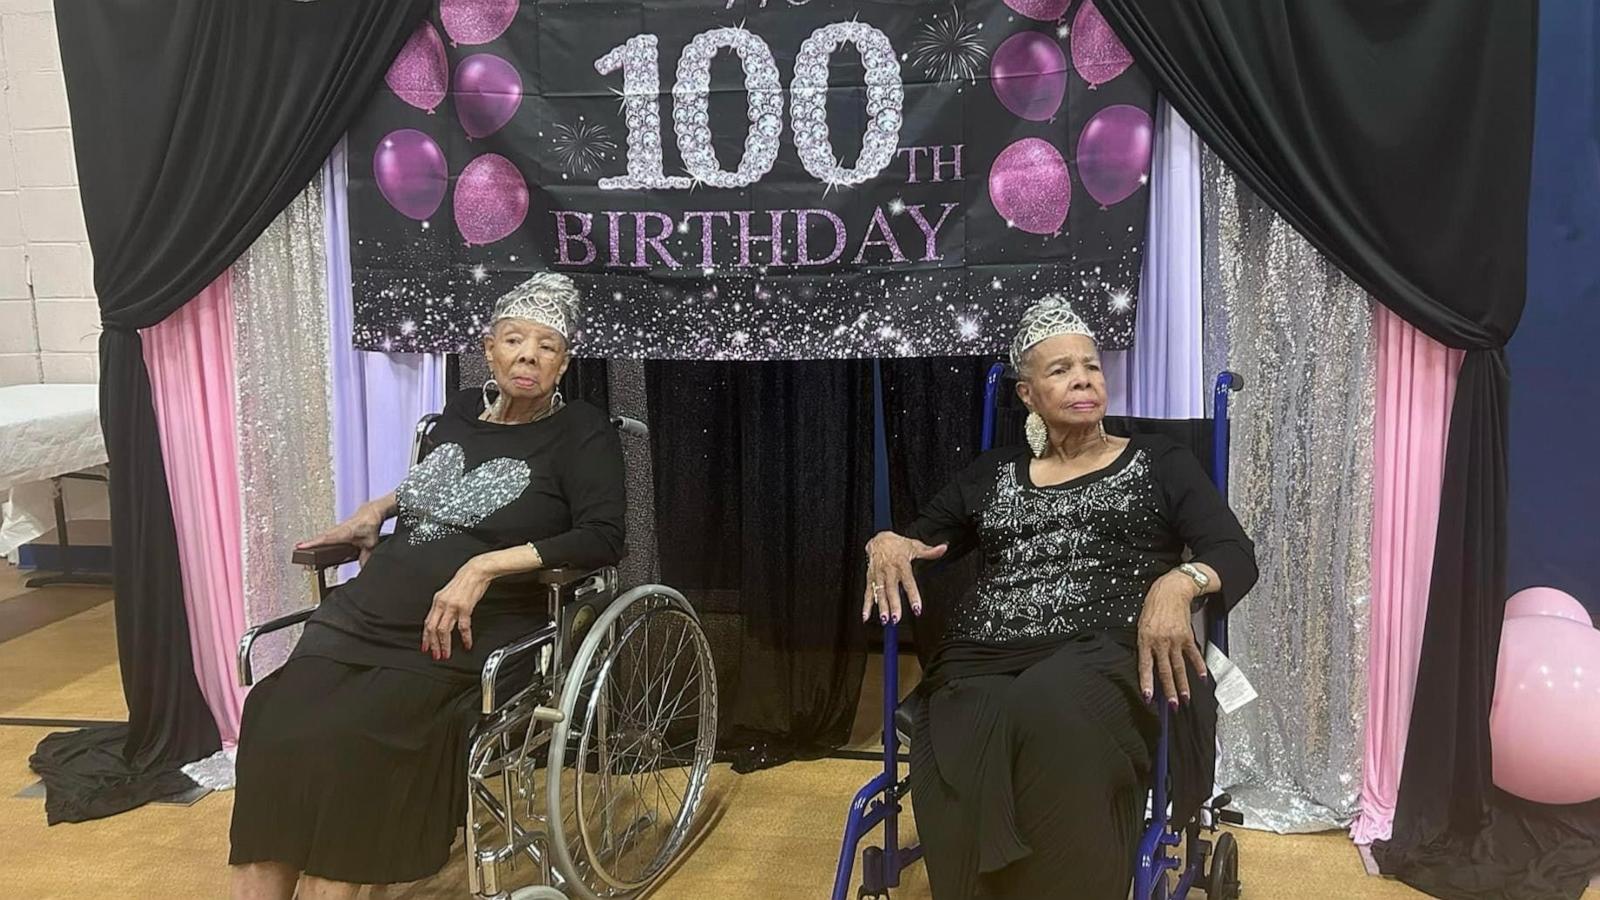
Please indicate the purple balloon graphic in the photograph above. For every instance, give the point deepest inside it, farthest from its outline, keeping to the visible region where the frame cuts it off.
(1042, 10)
(420, 75)
(1097, 54)
(1114, 153)
(1029, 185)
(476, 21)
(411, 173)
(491, 199)
(488, 92)
(1029, 75)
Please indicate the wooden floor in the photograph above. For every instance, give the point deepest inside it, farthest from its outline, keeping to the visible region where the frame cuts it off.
(771, 835)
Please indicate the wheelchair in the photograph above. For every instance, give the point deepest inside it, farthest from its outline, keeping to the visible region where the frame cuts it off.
(593, 741)
(879, 800)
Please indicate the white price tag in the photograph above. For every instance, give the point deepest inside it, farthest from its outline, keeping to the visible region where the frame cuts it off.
(1233, 689)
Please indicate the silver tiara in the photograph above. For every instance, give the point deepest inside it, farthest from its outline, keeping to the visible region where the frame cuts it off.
(1051, 316)
(549, 298)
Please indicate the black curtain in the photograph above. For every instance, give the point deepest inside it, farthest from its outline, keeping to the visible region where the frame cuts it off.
(933, 428)
(197, 121)
(763, 483)
(1397, 137)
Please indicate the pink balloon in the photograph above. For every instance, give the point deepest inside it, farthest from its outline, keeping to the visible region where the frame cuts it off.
(488, 92)
(1544, 724)
(1546, 601)
(1029, 185)
(411, 172)
(491, 199)
(420, 75)
(1114, 153)
(1043, 10)
(476, 21)
(1029, 75)
(1097, 54)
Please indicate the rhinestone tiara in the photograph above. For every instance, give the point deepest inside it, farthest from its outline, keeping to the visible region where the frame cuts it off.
(1050, 316)
(549, 298)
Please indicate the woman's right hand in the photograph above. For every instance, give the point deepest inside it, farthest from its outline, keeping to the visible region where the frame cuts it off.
(360, 529)
(889, 558)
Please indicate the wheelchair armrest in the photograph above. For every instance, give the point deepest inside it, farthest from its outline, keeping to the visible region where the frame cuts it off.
(560, 577)
(326, 556)
(543, 640)
(248, 639)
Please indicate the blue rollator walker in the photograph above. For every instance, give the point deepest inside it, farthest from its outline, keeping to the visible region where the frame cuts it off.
(879, 800)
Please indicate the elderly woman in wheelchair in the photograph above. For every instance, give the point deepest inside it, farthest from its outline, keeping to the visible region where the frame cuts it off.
(351, 756)
(1031, 756)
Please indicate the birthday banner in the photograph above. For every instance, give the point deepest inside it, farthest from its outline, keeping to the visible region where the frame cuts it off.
(754, 179)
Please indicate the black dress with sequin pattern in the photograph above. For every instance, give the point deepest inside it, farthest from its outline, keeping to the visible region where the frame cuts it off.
(1032, 751)
(557, 482)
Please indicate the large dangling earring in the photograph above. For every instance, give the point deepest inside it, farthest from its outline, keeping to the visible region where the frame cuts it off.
(489, 405)
(1038, 435)
(556, 400)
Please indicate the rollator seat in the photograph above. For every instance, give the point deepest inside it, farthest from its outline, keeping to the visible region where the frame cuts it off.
(905, 715)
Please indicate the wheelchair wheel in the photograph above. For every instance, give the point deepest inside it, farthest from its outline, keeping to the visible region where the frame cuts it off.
(1223, 882)
(629, 763)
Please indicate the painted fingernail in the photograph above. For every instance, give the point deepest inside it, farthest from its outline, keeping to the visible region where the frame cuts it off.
(916, 609)
(1185, 697)
(1173, 703)
(883, 620)
(1147, 696)
(896, 618)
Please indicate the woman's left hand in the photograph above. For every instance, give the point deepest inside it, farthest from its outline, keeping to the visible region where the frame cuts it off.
(452, 610)
(1166, 639)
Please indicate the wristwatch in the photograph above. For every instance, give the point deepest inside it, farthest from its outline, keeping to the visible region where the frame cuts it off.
(1200, 579)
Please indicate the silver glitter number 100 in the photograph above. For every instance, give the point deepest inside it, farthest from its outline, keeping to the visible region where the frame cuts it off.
(639, 60)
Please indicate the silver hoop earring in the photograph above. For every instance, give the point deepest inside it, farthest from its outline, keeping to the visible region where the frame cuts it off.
(556, 400)
(1037, 434)
(488, 405)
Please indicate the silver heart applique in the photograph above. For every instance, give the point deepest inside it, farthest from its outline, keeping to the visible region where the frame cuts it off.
(439, 497)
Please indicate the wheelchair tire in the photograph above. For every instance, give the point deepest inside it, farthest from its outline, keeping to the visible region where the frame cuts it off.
(628, 763)
(537, 892)
(1223, 882)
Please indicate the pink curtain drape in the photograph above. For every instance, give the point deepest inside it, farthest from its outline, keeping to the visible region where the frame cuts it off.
(190, 360)
(1416, 385)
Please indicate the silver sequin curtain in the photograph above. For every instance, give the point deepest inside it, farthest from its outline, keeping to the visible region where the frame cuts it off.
(1301, 334)
(281, 355)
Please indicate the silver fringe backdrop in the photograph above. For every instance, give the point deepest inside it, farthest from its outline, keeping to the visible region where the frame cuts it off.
(1301, 335)
(281, 355)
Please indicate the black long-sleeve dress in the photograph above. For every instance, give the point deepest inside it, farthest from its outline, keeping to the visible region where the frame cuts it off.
(1032, 754)
(351, 757)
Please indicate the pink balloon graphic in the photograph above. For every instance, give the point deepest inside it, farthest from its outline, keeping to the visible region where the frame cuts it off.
(1029, 185)
(476, 21)
(1096, 52)
(491, 199)
(488, 92)
(1546, 601)
(1114, 153)
(1029, 75)
(1042, 10)
(411, 173)
(420, 75)
(1544, 724)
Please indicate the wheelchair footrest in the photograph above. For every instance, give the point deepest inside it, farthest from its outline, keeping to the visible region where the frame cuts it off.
(1230, 817)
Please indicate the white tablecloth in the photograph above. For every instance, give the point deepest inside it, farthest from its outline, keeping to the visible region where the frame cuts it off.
(47, 430)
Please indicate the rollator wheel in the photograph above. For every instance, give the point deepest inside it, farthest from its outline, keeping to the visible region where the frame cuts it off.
(629, 763)
(1223, 883)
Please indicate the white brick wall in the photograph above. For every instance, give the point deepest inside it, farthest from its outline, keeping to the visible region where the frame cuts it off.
(49, 322)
